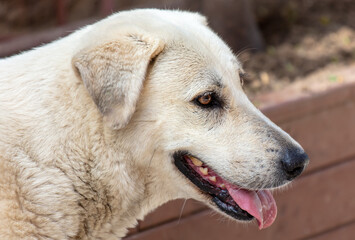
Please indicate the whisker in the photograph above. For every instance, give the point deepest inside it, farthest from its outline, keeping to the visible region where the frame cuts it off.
(150, 161)
(144, 120)
(182, 210)
(243, 50)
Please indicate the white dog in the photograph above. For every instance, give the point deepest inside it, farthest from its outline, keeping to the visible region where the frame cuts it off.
(99, 128)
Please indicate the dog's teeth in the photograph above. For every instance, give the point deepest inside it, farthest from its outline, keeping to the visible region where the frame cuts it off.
(196, 162)
(222, 185)
(213, 178)
(204, 171)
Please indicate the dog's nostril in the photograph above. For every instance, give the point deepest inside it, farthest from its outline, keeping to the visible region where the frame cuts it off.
(292, 173)
(294, 162)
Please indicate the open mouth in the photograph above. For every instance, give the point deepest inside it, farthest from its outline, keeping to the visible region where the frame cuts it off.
(239, 203)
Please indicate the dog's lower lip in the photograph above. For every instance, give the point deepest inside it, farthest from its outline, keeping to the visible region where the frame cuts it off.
(219, 195)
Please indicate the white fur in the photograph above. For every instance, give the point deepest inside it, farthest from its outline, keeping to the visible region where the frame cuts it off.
(75, 167)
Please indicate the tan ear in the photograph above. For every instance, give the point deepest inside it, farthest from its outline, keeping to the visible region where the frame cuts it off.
(114, 72)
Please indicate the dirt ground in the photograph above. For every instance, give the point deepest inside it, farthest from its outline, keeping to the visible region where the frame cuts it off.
(306, 40)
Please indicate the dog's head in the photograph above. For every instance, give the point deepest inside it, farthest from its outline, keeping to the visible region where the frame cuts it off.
(165, 79)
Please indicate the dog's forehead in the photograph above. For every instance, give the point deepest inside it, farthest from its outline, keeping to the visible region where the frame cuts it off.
(219, 68)
(213, 54)
(200, 66)
(205, 57)
(200, 48)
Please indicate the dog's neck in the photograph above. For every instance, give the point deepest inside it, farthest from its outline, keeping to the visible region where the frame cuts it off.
(114, 197)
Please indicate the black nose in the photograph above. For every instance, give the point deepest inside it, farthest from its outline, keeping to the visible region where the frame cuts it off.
(294, 162)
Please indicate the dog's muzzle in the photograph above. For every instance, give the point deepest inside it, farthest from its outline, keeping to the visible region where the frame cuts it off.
(241, 204)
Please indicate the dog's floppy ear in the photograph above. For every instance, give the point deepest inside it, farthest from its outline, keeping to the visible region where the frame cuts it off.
(114, 72)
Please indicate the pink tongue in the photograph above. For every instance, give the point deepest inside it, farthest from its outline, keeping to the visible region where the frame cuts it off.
(260, 205)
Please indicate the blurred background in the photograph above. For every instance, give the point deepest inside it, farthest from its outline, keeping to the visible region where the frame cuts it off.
(299, 57)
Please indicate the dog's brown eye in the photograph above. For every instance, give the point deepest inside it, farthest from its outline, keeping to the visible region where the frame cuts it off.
(205, 99)
(208, 100)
